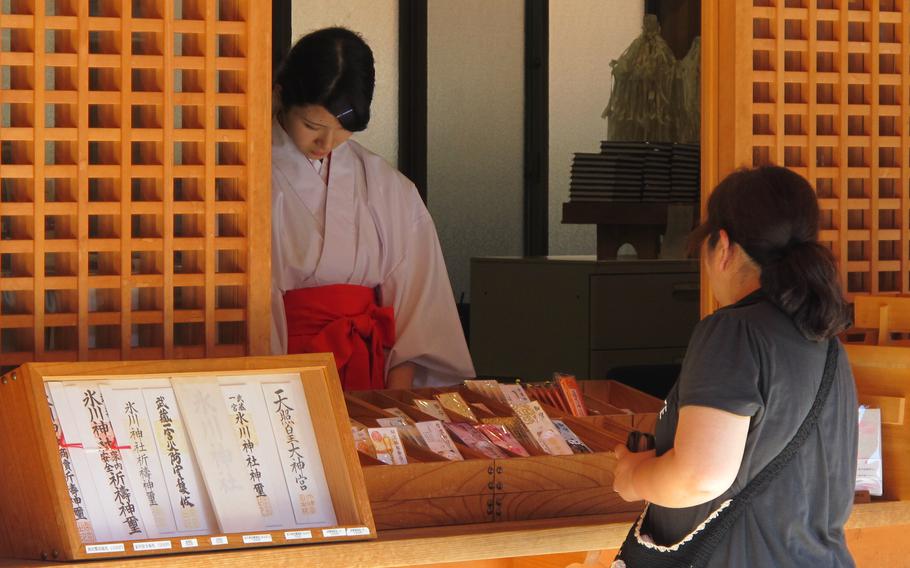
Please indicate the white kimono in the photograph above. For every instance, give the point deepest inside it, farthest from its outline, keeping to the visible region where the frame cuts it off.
(368, 228)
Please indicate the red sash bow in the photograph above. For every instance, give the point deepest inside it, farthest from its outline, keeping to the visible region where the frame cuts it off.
(342, 319)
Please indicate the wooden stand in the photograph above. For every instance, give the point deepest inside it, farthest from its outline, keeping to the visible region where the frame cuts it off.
(640, 224)
(35, 508)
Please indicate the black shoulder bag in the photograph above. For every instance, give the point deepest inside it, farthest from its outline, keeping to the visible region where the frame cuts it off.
(696, 548)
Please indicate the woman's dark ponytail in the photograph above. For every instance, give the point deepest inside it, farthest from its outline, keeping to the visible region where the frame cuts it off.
(803, 283)
(772, 213)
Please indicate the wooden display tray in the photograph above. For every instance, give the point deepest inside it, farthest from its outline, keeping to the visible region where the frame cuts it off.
(36, 515)
(431, 491)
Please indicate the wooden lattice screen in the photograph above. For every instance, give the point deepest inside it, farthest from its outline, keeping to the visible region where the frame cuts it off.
(135, 167)
(822, 87)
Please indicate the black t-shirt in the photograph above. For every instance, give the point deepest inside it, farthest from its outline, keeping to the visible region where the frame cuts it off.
(750, 359)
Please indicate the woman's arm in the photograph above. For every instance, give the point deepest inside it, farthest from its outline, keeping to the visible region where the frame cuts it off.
(428, 331)
(401, 376)
(702, 465)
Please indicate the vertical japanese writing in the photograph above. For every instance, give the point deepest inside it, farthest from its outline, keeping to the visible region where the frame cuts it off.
(295, 458)
(111, 458)
(173, 451)
(142, 457)
(69, 474)
(238, 407)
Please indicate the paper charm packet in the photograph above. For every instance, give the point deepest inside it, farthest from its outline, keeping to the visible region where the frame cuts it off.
(485, 387)
(572, 438)
(571, 393)
(541, 427)
(482, 407)
(400, 414)
(471, 438)
(548, 395)
(501, 436)
(456, 404)
(519, 431)
(432, 408)
(405, 429)
(514, 394)
(362, 439)
(438, 439)
(389, 448)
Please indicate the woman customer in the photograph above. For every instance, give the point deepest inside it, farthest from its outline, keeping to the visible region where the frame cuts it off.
(753, 391)
(356, 265)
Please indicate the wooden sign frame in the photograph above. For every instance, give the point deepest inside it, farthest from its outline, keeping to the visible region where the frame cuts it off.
(35, 506)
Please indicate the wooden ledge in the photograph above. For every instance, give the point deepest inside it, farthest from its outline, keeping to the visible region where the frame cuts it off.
(414, 547)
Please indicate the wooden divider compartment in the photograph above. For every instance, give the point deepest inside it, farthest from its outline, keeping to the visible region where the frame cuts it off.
(882, 376)
(35, 507)
(480, 490)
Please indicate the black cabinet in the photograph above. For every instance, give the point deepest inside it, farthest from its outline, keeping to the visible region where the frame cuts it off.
(533, 316)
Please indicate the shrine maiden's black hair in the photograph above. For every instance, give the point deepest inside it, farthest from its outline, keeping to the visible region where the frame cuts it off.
(333, 68)
(773, 214)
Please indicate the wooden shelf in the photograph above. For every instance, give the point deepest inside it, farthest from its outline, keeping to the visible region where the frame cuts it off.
(415, 547)
(614, 213)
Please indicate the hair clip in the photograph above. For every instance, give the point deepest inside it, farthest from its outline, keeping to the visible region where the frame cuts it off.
(347, 112)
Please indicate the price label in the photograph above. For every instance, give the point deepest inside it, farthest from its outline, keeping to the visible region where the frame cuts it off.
(104, 548)
(156, 545)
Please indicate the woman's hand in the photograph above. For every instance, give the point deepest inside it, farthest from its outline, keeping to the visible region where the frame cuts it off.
(625, 471)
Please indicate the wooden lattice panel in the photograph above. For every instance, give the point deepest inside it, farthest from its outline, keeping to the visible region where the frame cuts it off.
(134, 168)
(822, 87)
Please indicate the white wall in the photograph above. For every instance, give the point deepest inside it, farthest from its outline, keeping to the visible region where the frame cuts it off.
(377, 22)
(585, 35)
(475, 129)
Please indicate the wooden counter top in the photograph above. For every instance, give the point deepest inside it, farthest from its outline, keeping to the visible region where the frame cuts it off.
(451, 544)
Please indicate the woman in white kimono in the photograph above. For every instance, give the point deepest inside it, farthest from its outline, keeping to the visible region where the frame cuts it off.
(356, 265)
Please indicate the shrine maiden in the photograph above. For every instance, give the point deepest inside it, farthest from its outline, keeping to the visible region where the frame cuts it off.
(356, 265)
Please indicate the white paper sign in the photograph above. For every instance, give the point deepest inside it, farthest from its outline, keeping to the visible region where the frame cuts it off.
(118, 498)
(298, 450)
(82, 493)
(189, 501)
(253, 438)
(171, 506)
(869, 453)
(215, 444)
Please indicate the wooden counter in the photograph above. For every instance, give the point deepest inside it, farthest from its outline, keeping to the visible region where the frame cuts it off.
(468, 543)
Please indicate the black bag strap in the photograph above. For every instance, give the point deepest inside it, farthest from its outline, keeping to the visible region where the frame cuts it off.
(717, 530)
(774, 467)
